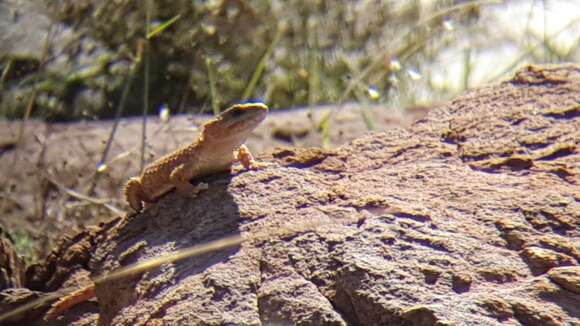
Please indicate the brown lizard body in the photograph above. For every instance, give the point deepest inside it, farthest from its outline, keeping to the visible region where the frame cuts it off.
(216, 149)
(218, 146)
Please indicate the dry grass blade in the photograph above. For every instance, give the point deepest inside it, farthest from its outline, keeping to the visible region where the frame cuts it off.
(223, 243)
(324, 126)
(92, 200)
(136, 268)
(314, 60)
(529, 52)
(145, 90)
(259, 71)
(211, 75)
(220, 244)
(406, 48)
(5, 73)
(163, 27)
(35, 304)
(120, 108)
(49, 35)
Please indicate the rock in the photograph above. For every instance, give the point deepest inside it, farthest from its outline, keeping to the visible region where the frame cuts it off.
(72, 82)
(67, 154)
(15, 298)
(544, 259)
(11, 264)
(464, 218)
(566, 277)
(24, 25)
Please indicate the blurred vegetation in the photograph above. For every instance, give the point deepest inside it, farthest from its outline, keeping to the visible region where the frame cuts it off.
(25, 245)
(209, 54)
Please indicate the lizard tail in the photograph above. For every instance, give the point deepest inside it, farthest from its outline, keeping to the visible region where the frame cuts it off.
(70, 300)
(133, 194)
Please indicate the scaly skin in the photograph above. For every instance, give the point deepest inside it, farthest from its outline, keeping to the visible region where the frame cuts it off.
(216, 149)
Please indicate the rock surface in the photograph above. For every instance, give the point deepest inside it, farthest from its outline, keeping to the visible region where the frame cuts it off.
(471, 216)
(63, 192)
(11, 265)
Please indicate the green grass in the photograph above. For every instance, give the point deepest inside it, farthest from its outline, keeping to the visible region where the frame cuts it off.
(289, 53)
(25, 246)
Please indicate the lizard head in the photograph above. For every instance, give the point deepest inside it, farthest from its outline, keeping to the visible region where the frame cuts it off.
(239, 120)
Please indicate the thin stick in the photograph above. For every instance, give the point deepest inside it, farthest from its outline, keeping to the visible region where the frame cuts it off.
(32, 99)
(5, 73)
(120, 109)
(259, 71)
(220, 244)
(92, 200)
(381, 54)
(145, 90)
(215, 106)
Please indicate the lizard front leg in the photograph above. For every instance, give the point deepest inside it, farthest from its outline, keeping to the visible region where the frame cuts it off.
(134, 194)
(247, 160)
(179, 178)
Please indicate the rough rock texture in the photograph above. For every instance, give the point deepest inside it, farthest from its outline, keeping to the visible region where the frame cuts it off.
(470, 217)
(63, 192)
(11, 265)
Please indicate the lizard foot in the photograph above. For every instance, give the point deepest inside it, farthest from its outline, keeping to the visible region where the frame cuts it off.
(247, 160)
(133, 194)
(188, 190)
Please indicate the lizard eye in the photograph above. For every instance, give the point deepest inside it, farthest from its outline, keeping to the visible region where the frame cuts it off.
(238, 113)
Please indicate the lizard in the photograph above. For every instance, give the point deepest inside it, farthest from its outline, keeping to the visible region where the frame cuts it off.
(220, 143)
